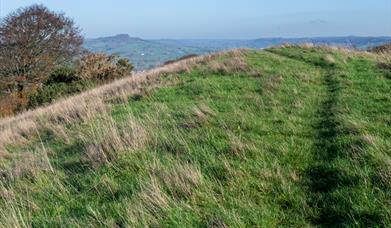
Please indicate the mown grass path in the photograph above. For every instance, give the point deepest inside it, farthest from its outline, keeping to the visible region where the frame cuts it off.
(344, 175)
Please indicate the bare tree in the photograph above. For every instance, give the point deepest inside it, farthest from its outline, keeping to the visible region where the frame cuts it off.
(33, 41)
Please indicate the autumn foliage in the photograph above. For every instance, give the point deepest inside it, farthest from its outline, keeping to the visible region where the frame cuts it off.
(35, 44)
(33, 41)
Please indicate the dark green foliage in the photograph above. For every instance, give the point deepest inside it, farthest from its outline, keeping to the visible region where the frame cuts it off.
(63, 75)
(53, 91)
(125, 66)
(61, 83)
(65, 81)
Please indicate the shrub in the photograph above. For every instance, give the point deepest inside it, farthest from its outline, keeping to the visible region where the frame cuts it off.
(124, 66)
(384, 63)
(102, 67)
(12, 102)
(50, 92)
(63, 75)
(385, 48)
(91, 70)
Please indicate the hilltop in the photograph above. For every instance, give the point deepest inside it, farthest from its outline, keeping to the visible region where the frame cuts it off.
(287, 136)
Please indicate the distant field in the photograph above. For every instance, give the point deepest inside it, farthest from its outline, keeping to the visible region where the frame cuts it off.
(290, 136)
(146, 54)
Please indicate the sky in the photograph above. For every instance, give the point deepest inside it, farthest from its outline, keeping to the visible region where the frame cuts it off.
(221, 19)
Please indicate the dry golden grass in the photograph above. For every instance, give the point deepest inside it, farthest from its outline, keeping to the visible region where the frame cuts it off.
(237, 146)
(345, 51)
(148, 205)
(164, 188)
(105, 140)
(232, 62)
(11, 216)
(181, 180)
(329, 59)
(29, 164)
(202, 112)
(384, 59)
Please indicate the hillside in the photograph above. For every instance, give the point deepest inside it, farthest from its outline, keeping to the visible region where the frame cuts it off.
(289, 136)
(146, 54)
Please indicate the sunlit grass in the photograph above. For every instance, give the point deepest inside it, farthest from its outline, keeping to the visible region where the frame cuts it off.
(294, 136)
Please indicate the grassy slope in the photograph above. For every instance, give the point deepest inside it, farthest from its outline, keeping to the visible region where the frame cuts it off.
(304, 141)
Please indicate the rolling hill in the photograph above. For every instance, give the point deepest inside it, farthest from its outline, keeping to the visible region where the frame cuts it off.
(146, 54)
(295, 136)
(218, 45)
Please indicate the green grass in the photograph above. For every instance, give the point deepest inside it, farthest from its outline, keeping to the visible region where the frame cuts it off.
(304, 142)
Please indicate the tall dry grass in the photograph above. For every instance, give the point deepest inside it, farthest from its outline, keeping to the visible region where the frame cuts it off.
(384, 59)
(106, 140)
(346, 51)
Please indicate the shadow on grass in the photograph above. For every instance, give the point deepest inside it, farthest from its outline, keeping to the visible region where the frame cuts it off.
(70, 159)
(330, 184)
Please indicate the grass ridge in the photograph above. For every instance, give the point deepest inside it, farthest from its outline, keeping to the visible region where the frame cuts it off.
(291, 136)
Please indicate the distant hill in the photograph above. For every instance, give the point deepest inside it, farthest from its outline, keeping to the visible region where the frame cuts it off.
(146, 54)
(220, 44)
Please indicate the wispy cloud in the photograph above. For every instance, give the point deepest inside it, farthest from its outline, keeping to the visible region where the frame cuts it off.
(319, 22)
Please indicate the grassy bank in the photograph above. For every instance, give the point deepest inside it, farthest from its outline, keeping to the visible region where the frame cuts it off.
(294, 136)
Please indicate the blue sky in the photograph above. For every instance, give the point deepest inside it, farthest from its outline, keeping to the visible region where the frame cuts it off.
(228, 19)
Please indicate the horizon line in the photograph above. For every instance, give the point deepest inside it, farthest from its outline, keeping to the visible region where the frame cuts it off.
(243, 39)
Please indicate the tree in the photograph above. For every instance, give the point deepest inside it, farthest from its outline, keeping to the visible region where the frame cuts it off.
(33, 41)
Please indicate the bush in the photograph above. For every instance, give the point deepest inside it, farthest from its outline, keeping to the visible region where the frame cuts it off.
(50, 92)
(385, 48)
(124, 66)
(63, 75)
(102, 67)
(91, 70)
(62, 82)
(12, 102)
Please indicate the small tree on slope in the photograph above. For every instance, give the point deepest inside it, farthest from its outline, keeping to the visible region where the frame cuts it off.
(33, 41)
